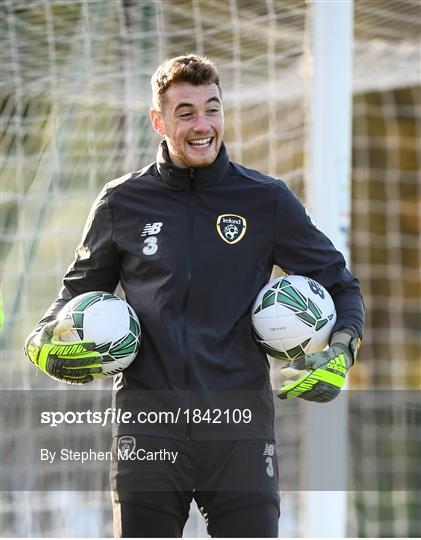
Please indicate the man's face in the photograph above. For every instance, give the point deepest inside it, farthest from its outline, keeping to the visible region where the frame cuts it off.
(192, 121)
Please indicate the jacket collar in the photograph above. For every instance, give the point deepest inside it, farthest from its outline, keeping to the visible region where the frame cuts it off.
(181, 179)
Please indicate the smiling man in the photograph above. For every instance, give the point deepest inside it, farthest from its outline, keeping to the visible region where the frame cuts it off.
(191, 119)
(192, 238)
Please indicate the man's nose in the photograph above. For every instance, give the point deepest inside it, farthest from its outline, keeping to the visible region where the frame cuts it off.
(201, 124)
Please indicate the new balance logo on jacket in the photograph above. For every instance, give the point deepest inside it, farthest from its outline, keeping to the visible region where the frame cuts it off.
(150, 230)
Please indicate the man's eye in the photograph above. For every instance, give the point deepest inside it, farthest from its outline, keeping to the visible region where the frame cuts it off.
(213, 111)
(185, 115)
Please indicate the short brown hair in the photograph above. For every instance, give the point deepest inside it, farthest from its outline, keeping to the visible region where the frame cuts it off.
(190, 68)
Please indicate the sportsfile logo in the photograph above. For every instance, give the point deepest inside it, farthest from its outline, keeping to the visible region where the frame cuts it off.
(150, 244)
(231, 227)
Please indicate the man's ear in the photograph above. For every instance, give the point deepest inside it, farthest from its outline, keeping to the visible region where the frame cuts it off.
(157, 122)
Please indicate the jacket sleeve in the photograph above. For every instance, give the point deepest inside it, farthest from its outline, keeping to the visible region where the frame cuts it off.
(96, 263)
(300, 248)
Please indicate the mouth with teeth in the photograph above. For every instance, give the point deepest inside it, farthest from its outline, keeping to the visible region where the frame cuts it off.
(201, 143)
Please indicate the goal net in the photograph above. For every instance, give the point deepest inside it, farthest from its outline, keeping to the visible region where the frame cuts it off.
(75, 101)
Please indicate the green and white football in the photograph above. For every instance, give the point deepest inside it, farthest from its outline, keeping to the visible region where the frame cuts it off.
(110, 322)
(293, 316)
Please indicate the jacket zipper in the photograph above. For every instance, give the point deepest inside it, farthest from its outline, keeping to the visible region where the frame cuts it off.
(186, 297)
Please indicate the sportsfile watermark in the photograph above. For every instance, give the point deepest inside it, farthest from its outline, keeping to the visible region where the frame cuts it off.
(117, 416)
(72, 438)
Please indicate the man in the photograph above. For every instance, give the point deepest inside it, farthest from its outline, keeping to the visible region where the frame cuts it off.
(165, 234)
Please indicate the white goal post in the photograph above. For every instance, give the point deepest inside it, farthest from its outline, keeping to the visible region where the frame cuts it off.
(328, 189)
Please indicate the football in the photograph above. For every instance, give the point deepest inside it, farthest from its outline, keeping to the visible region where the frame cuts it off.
(110, 322)
(292, 316)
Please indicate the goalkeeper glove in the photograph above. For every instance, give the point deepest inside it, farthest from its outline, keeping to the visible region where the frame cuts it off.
(73, 362)
(326, 370)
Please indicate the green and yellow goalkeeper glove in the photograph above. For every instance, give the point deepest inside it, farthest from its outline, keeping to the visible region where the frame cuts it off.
(73, 362)
(325, 371)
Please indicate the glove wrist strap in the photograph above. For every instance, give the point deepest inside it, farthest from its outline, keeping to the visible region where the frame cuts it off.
(348, 339)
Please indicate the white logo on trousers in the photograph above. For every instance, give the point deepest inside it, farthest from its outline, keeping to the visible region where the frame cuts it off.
(269, 451)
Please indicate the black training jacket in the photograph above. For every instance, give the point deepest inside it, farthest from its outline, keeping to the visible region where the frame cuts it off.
(191, 249)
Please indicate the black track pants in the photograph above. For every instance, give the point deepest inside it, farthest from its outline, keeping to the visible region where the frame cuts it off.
(257, 521)
(234, 483)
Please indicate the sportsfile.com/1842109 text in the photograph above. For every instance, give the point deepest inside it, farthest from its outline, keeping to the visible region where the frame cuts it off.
(117, 416)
